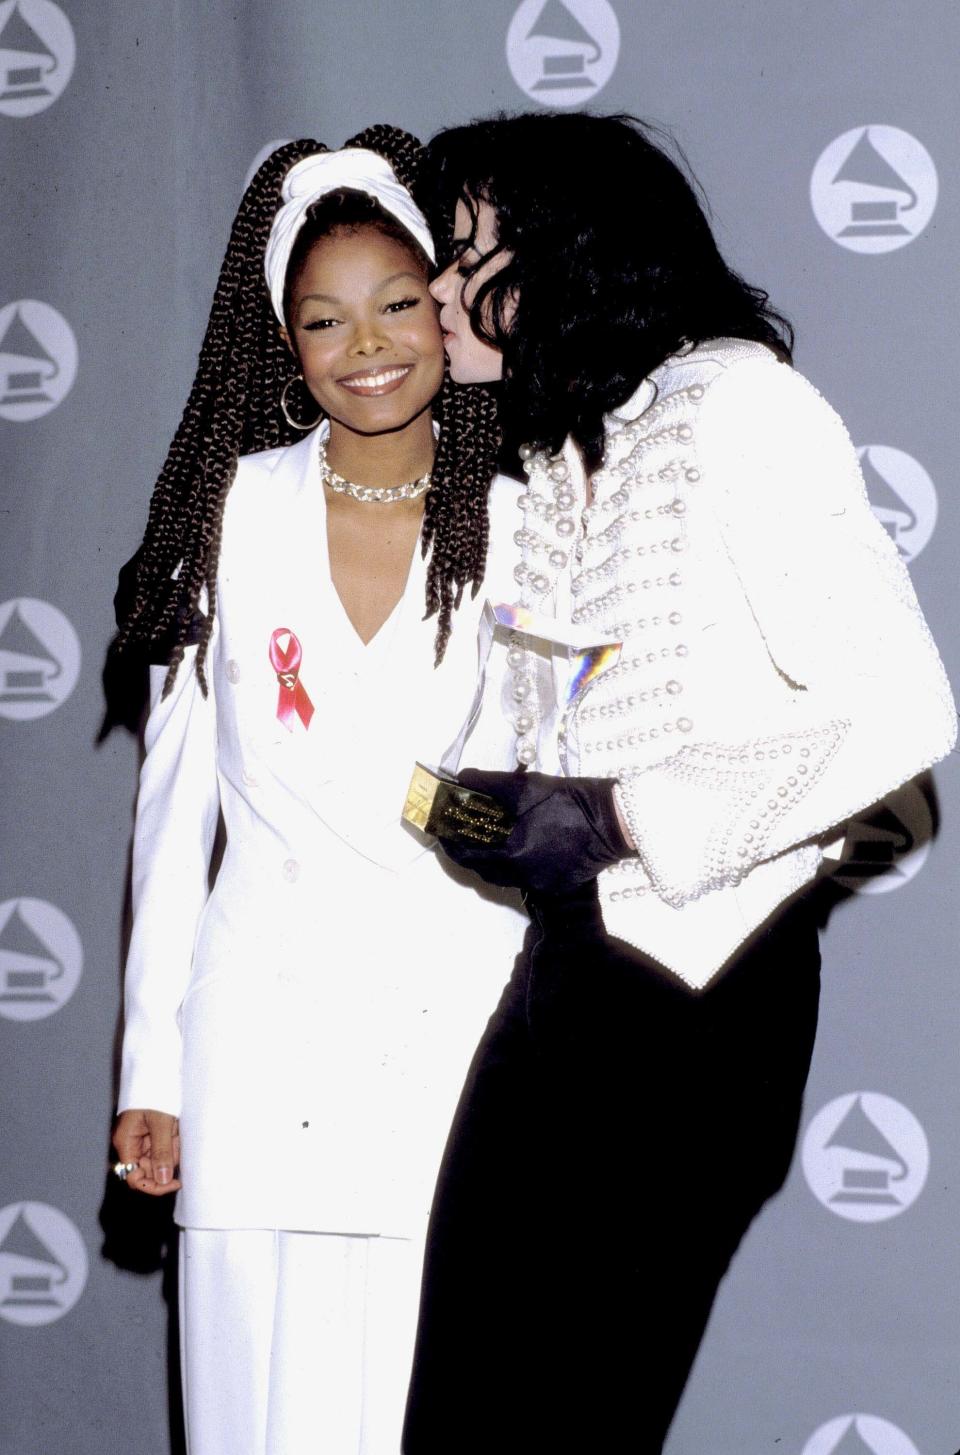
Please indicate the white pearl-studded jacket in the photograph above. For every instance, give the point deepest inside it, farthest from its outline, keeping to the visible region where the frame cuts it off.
(776, 674)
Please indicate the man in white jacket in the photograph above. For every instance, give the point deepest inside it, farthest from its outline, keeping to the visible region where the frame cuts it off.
(695, 510)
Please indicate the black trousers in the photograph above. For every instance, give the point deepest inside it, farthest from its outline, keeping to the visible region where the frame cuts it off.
(616, 1135)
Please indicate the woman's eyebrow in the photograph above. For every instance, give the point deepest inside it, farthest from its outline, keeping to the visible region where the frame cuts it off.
(395, 277)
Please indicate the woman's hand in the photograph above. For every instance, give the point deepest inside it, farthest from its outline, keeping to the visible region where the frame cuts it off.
(567, 830)
(152, 1140)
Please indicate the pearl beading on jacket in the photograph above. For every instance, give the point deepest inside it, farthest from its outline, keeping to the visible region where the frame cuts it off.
(748, 797)
(548, 526)
(631, 580)
(639, 490)
(776, 675)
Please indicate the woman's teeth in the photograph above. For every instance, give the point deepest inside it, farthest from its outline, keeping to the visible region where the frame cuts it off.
(374, 381)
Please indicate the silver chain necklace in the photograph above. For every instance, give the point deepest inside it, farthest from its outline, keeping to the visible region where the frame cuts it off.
(372, 494)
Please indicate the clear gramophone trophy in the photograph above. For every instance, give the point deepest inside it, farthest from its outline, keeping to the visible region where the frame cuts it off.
(568, 660)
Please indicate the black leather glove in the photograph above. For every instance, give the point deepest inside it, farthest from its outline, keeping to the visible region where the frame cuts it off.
(566, 831)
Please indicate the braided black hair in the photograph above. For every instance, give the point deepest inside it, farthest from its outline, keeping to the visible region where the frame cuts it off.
(234, 409)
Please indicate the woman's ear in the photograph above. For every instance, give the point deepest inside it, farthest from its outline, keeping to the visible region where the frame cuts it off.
(284, 333)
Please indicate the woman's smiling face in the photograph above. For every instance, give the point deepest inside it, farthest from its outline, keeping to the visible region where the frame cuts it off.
(365, 330)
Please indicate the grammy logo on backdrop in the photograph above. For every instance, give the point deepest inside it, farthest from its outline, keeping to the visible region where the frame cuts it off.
(27, 669)
(865, 1157)
(859, 1435)
(902, 497)
(26, 61)
(43, 1264)
(852, 1443)
(37, 53)
(41, 1273)
(893, 513)
(561, 52)
(874, 189)
(25, 366)
(872, 216)
(27, 967)
(38, 359)
(41, 959)
(39, 658)
(566, 67)
(858, 1134)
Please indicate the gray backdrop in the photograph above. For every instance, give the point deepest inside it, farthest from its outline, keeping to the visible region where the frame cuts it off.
(824, 135)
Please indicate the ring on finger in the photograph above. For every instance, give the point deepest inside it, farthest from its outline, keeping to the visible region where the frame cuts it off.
(123, 1169)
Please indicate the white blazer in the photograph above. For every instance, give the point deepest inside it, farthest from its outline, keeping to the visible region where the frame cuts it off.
(312, 1018)
(776, 675)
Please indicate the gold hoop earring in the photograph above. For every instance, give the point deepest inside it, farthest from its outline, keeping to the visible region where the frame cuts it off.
(284, 409)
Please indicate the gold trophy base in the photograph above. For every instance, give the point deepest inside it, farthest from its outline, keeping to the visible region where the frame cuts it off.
(440, 806)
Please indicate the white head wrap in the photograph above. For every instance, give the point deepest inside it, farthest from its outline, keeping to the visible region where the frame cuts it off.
(313, 178)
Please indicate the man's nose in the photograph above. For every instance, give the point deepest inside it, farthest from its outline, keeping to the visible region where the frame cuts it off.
(440, 287)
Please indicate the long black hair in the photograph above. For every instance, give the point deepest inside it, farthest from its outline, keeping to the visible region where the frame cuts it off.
(611, 264)
(234, 409)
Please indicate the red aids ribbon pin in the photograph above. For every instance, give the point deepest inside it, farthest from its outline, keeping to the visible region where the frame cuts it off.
(293, 699)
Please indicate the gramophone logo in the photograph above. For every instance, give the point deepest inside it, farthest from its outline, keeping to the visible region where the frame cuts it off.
(41, 959)
(887, 846)
(261, 157)
(874, 189)
(43, 1263)
(37, 52)
(865, 1157)
(562, 52)
(903, 497)
(38, 359)
(859, 1435)
(39, 658)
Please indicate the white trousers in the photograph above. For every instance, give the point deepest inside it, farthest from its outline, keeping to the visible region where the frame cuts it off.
(296, 1343)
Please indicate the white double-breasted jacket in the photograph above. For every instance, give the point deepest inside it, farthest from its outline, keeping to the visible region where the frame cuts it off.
(776, 674)
(311, 1019)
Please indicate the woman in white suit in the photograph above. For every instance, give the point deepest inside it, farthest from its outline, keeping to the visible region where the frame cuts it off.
(296, 1037)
